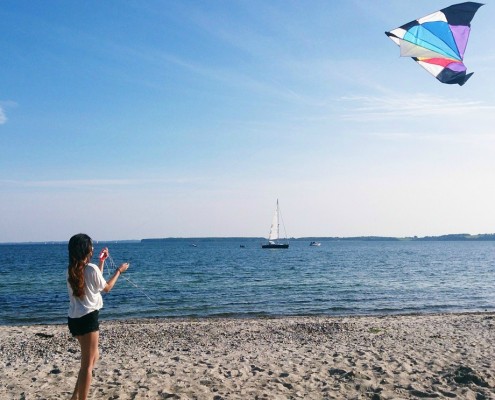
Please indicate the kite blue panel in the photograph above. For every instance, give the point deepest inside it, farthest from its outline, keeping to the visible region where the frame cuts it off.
(443, 32)
(424, 38)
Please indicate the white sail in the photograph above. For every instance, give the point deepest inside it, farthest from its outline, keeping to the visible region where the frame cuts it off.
(274, 236)
(274, 228)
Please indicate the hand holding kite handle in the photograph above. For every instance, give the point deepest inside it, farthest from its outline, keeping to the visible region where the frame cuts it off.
(104, 254)
(123, 267)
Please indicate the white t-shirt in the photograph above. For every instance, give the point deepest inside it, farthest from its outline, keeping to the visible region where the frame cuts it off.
(94, 283)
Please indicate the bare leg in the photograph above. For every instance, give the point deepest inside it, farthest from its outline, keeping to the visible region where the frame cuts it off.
(89, 356)
(74, 394)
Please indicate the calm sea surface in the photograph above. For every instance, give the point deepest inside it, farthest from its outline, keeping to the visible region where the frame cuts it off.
(218, 277)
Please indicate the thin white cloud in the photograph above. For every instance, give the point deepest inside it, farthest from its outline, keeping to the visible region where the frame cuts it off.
(75, 183)
(3, 117)
(372, 108)
(456, 138)
(94, 183)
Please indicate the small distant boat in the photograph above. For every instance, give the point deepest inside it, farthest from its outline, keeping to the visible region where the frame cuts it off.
(316, 244)
(194, 245)
(274, 241)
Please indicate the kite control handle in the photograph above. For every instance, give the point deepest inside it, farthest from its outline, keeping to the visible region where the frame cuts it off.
(104, 254)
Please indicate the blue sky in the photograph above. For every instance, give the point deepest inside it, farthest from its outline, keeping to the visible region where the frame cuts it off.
(135, 119)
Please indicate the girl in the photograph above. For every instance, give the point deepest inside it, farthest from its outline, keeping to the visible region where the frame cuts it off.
(85, 283)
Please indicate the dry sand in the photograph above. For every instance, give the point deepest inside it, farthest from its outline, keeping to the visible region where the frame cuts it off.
(392, 357)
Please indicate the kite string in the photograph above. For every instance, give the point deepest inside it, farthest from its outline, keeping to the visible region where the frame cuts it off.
(114, 268)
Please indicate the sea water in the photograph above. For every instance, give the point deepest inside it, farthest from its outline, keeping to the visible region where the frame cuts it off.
(236, 278)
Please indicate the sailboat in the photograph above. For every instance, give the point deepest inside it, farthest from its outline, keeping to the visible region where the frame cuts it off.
(273, 238)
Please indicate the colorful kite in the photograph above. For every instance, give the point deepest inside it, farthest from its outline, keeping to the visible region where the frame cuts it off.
(437, 42)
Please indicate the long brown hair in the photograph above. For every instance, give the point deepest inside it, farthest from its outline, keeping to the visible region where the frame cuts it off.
(80, 251)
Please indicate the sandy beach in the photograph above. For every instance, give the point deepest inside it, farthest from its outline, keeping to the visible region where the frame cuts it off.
(391, 357)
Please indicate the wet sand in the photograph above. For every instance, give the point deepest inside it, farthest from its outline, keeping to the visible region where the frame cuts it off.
(391, 357)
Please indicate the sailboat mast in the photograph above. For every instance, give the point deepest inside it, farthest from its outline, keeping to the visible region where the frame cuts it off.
(273, 238)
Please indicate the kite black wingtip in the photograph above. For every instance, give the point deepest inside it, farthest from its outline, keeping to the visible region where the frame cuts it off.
(461, 83)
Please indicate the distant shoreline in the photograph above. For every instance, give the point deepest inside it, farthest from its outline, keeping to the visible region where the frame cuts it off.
(456, 237)
(450, 237)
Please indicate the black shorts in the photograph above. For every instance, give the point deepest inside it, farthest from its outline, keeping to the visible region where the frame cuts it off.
(85, 324)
